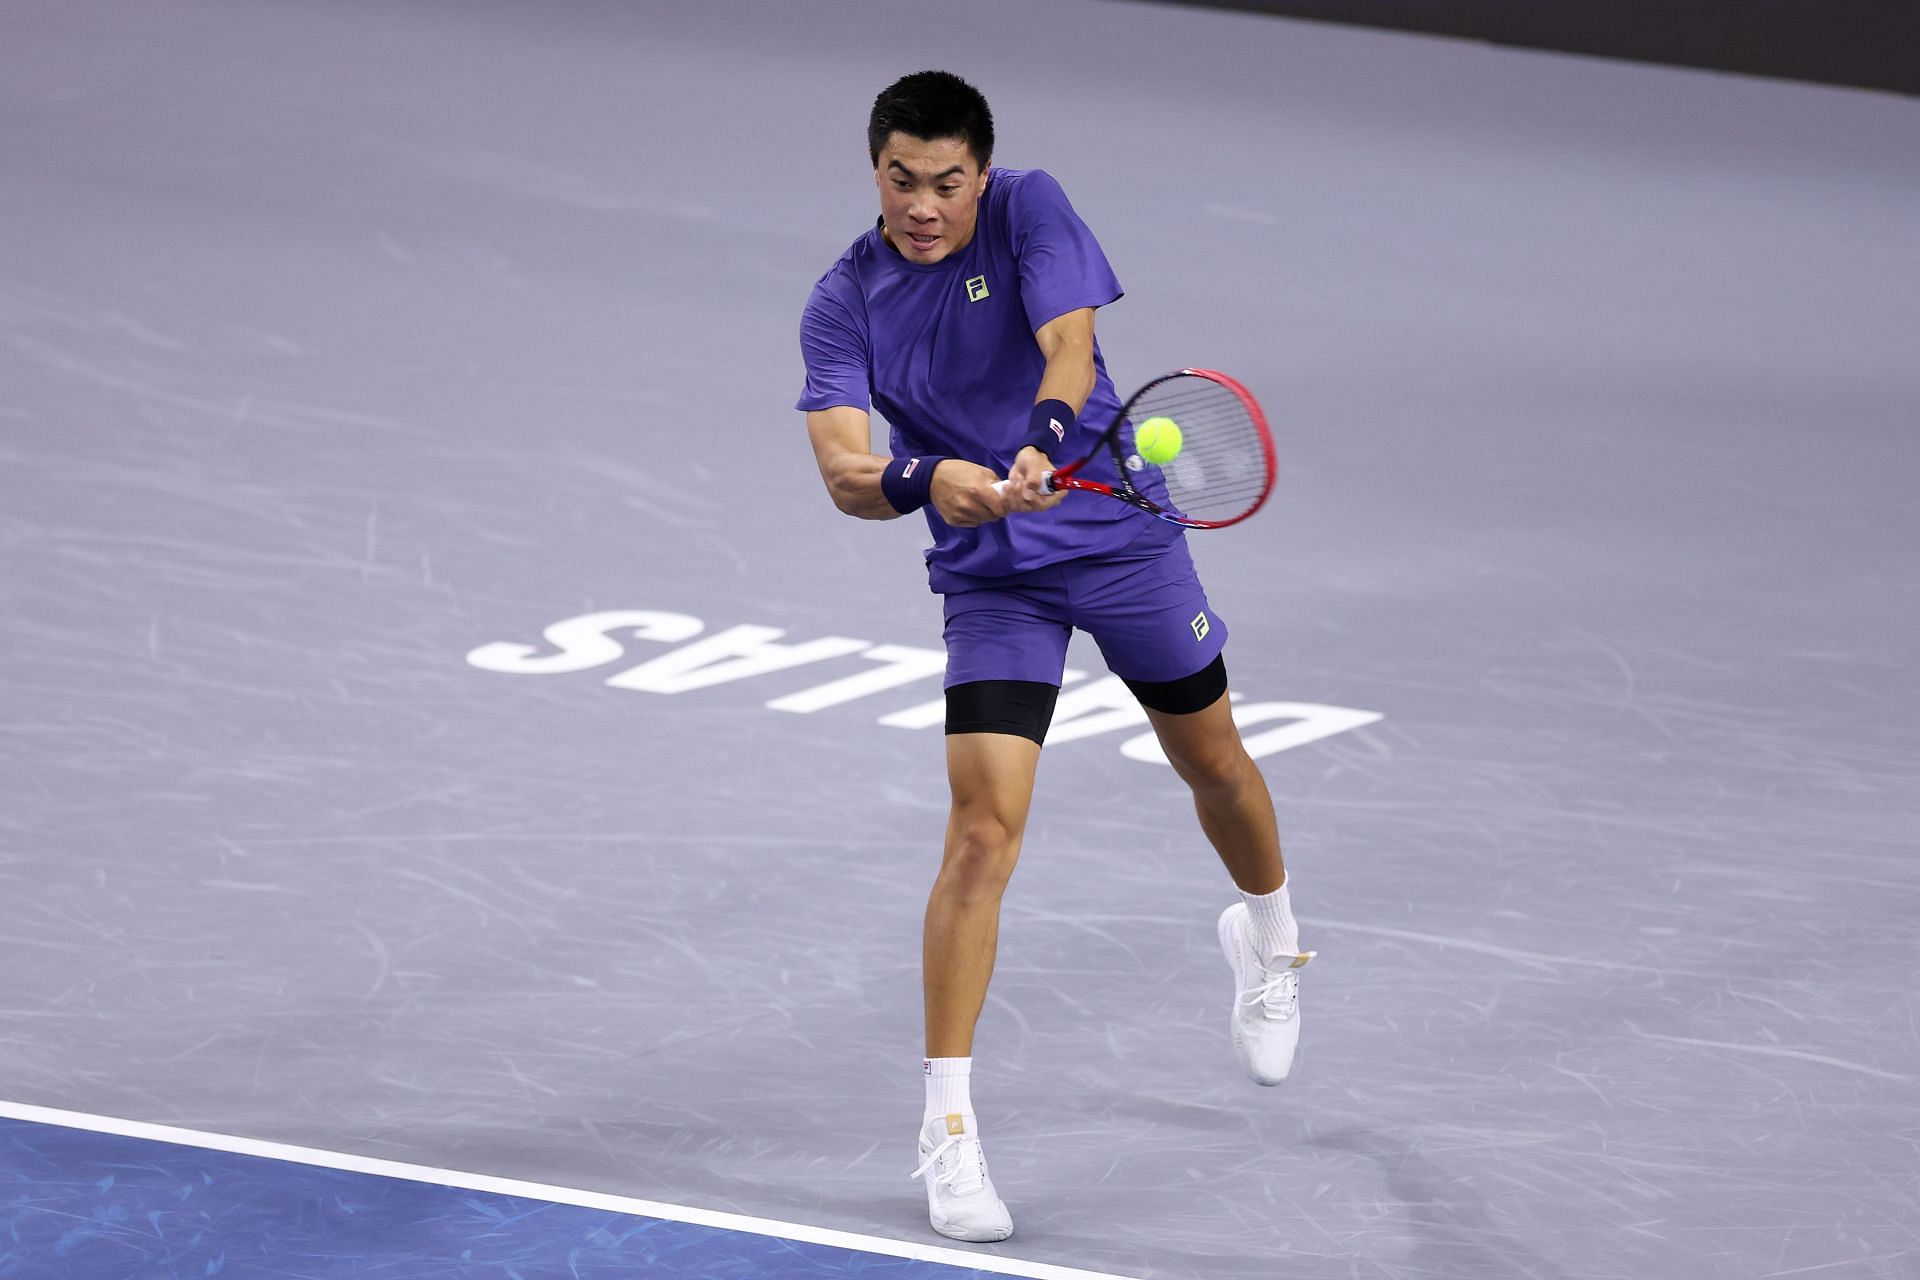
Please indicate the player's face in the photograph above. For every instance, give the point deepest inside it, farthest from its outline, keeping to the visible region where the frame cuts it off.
(929, 195)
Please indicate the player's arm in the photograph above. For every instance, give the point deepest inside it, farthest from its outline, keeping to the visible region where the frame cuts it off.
(962, 492)
(1066, 342)
(842, 439)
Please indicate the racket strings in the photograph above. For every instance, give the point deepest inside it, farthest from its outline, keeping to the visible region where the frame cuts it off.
(1222, 469)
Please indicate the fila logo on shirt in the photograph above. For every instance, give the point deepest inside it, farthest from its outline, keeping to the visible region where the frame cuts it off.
(1200, 625)
(976, 288)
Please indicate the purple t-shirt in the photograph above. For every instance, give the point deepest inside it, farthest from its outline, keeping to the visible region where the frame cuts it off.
(945, 351)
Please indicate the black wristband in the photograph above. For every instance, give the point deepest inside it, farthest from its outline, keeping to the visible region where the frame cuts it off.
(908, 482)
(1048, 426)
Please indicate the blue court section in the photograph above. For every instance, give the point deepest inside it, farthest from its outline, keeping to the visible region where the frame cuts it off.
(94, 1206)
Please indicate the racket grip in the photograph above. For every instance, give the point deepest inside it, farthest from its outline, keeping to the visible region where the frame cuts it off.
(1046, 482)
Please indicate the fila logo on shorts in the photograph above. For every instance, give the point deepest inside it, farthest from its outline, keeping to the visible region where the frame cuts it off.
(1200, 625)
(976, 288)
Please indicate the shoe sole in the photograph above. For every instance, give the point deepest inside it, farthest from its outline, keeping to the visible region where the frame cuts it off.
(994, 1237)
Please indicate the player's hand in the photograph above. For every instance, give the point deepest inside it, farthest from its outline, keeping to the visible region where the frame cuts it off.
(964, 496)
(1026, 483)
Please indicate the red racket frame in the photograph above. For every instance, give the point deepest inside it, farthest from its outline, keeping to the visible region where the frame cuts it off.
(1064, 478)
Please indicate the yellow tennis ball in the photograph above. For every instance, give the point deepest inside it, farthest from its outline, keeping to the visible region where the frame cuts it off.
(1158, 440)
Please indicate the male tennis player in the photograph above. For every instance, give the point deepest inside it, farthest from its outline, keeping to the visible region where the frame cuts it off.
(966, 316)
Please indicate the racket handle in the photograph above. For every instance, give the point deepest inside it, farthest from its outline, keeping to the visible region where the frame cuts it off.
(1046, 482)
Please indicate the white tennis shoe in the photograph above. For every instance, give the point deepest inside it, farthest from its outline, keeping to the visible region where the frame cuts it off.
(961, 1201)
(1266, 1001)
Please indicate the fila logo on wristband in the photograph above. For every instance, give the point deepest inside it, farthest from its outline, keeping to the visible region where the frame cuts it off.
(911, 464)
(1059, 432)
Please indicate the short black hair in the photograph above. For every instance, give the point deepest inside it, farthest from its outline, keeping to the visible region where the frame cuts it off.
(930, 105)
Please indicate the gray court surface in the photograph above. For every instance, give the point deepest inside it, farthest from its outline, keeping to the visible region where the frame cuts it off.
(340, 341)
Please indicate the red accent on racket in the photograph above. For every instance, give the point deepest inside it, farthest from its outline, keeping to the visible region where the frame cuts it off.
(1223, 472)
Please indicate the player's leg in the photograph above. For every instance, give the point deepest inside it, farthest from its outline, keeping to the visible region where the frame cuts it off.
(1153, 623)
(1004, 657)
(1193, 720)
(991, 777)
(1230, 794)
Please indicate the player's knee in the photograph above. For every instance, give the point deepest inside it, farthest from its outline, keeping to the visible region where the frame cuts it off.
(981, 850)
(1213, 768)
(982, 837)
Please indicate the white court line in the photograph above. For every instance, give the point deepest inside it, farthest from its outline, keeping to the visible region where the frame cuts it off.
(539, 1191)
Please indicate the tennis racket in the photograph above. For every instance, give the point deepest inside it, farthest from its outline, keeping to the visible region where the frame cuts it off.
(1220, 472)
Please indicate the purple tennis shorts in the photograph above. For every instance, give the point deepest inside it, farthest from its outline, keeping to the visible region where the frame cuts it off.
(1148, 613)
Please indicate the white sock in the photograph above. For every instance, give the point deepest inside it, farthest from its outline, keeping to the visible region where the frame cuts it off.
(1270, 916)
(948, 1092)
